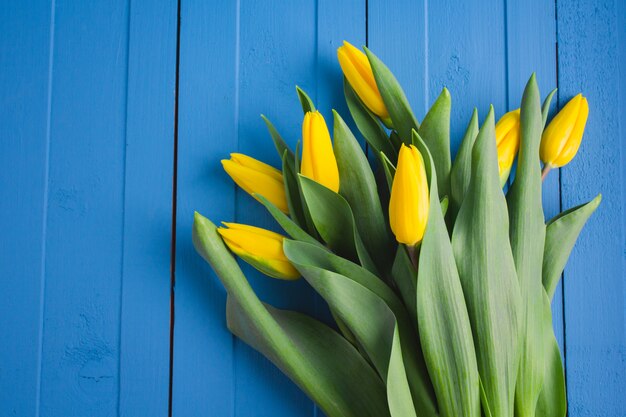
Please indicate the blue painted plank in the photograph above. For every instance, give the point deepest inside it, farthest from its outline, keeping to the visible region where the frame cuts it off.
(531, 47)
(84, 239)
(591, 37)
(25, 42)
(203, 382)
(145, 314)
(397, 32)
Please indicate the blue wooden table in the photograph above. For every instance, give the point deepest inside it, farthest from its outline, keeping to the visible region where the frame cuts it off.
(114, 116)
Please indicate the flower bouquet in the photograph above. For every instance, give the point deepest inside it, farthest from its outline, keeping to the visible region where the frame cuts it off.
(439, 274)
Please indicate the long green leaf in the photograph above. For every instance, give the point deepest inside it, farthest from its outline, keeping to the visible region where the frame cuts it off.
(545, 107)
(395, 100)
(367, 123)
(485, 262)
(405, 277)
(334, 221)
(279, 142)
(356, 302)
(305, 100)
(552, 400)
(527, 234)
(358, 187)
(315, 357)
(288, 225)
(462, 166)
(292, 190)
(444, 326)
(435, 131)
(561, 235)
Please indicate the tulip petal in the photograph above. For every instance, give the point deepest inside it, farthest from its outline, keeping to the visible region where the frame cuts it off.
(318, 159)
(555, 136)
(358, 71)
(572, 144)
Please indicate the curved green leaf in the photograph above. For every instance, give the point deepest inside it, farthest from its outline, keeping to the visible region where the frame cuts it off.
(288, 225)
(480, 241)
(435, 131)
(305, 100)
(527, 235)
(334, 221)
(552, 400)
(279, 143)
(378, 320)
(444, 326)
(405, 277)
(367, 123)
(395, 100)
(292, 190)
(545, 108)
(561, 235)
(462, 167)
(321, 362)
(358, 187)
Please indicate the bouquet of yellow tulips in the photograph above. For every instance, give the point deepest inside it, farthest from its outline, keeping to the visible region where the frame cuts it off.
(438, 280)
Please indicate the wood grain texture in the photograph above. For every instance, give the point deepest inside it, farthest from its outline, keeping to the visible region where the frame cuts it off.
(591, 36)
(203, 378)
(149, 166)
(87, 108)
(25, 42)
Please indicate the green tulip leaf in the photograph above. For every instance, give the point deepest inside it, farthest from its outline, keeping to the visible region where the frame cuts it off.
(527, 232)
(321, 362)
(462, 167)
(334, 221)
(552, 400)
(561, 235)
(405, 277)
(377, 319)
(480, 241)
(394, 98)
(444, 325)
(308, 221)
(292, 190)
(545, 108)
(279, 142)
(288, 225)
(435, 131)
(388, 168)
(367, 123)
(358, 187)
(305, 101)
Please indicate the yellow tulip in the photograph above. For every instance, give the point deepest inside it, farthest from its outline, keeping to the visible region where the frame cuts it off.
(256, 177)
(561, 139)
(507, 141)
(410, 201)
(318, 158)
(357, 70)
(260, 248)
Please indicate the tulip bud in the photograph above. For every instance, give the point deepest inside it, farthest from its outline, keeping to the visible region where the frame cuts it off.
(256, 177)
(318, 158)
(561, 139)
(357, 70)
(507, 141)
(260, 248)
(410, 201)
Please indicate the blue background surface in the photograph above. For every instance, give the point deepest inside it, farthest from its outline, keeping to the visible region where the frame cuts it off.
(114, 116)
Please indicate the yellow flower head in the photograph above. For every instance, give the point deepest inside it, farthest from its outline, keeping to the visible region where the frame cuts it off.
(256, 177)
(562, 137)
(260, 248)
(507, 141)
(358, 72)
(318, 158)
(410, 201)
